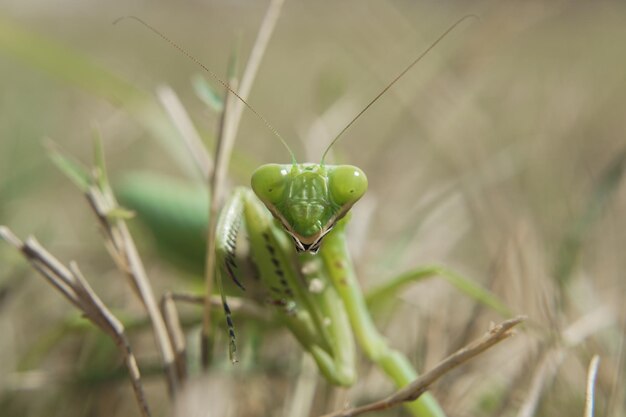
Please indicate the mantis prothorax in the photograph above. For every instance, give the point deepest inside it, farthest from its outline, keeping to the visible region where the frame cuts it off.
(295, 217)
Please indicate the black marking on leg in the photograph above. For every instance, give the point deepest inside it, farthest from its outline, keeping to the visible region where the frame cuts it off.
(229, 269)
(231, 332)
(280, 273)
(286, 288)
(230, 263)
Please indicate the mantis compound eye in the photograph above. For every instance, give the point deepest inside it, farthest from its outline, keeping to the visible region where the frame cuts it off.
(268, 182)
(346, 184)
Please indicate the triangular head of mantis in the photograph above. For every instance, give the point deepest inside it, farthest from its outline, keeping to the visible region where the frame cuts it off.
(308, 199)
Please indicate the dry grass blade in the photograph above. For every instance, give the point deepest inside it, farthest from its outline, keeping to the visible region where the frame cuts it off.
(249, 74)
(59, 276)
(93, 306)
(175, 332)
(124, 252)
(554, 356)
(216, 185)
(543, 374)
(119, 243)
(300, 403)
(188, 132)
(229, 125)
(412, 391)
(73, 285)
(236, 305)
(591, 381)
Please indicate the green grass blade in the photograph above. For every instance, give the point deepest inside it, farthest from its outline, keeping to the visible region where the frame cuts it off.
(70, 66)
(65, 64)
(99, 161)
(74, 170)
(387, 291)
(207, 93)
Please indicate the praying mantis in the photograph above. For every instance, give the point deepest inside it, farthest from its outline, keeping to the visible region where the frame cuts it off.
(295, 216)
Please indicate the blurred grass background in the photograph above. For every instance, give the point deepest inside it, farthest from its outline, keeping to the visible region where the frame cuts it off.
(500, 155)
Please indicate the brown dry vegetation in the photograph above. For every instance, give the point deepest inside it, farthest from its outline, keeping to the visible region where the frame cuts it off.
(500, 156)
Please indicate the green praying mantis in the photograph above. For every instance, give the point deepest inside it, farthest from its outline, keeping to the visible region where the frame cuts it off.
(294, 217)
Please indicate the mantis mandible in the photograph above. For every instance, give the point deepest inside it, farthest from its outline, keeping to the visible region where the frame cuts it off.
(295, 217)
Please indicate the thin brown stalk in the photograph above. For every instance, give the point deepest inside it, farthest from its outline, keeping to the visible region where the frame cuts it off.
(175, 332)
(591, 382)
(133, 370)
(412, 391)
(217, 185)
(138, 273)
(256, 56)
(124, 252)
(41, 262)
(236, 305)
(75, 288)
(229, 125)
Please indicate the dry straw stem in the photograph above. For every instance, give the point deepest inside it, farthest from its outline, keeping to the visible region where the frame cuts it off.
(216, 184)
(121, 246)
(303, 398)
(75, 288)
(412, 391)
(175, 333)
(193, 142)
(225, 141)
(591, 382)
(174, 328)
(236, 305)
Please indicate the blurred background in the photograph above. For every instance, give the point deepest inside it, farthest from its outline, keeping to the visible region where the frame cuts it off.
(500, 155)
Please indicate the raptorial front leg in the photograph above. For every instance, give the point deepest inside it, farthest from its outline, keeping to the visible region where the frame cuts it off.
(228, 227)
(313, 313)
(393, 363)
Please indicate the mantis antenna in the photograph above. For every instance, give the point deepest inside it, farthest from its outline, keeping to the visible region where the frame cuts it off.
(400, 75)
(213, 75)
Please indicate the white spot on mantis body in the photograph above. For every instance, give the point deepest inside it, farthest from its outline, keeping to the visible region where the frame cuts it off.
(316, 286)
(291, 307)
(309, 268)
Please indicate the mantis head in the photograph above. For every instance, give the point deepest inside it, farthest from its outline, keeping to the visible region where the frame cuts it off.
(308, 199)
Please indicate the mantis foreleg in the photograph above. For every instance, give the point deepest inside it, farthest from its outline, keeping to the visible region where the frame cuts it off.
(393, 363)
(316, 318)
